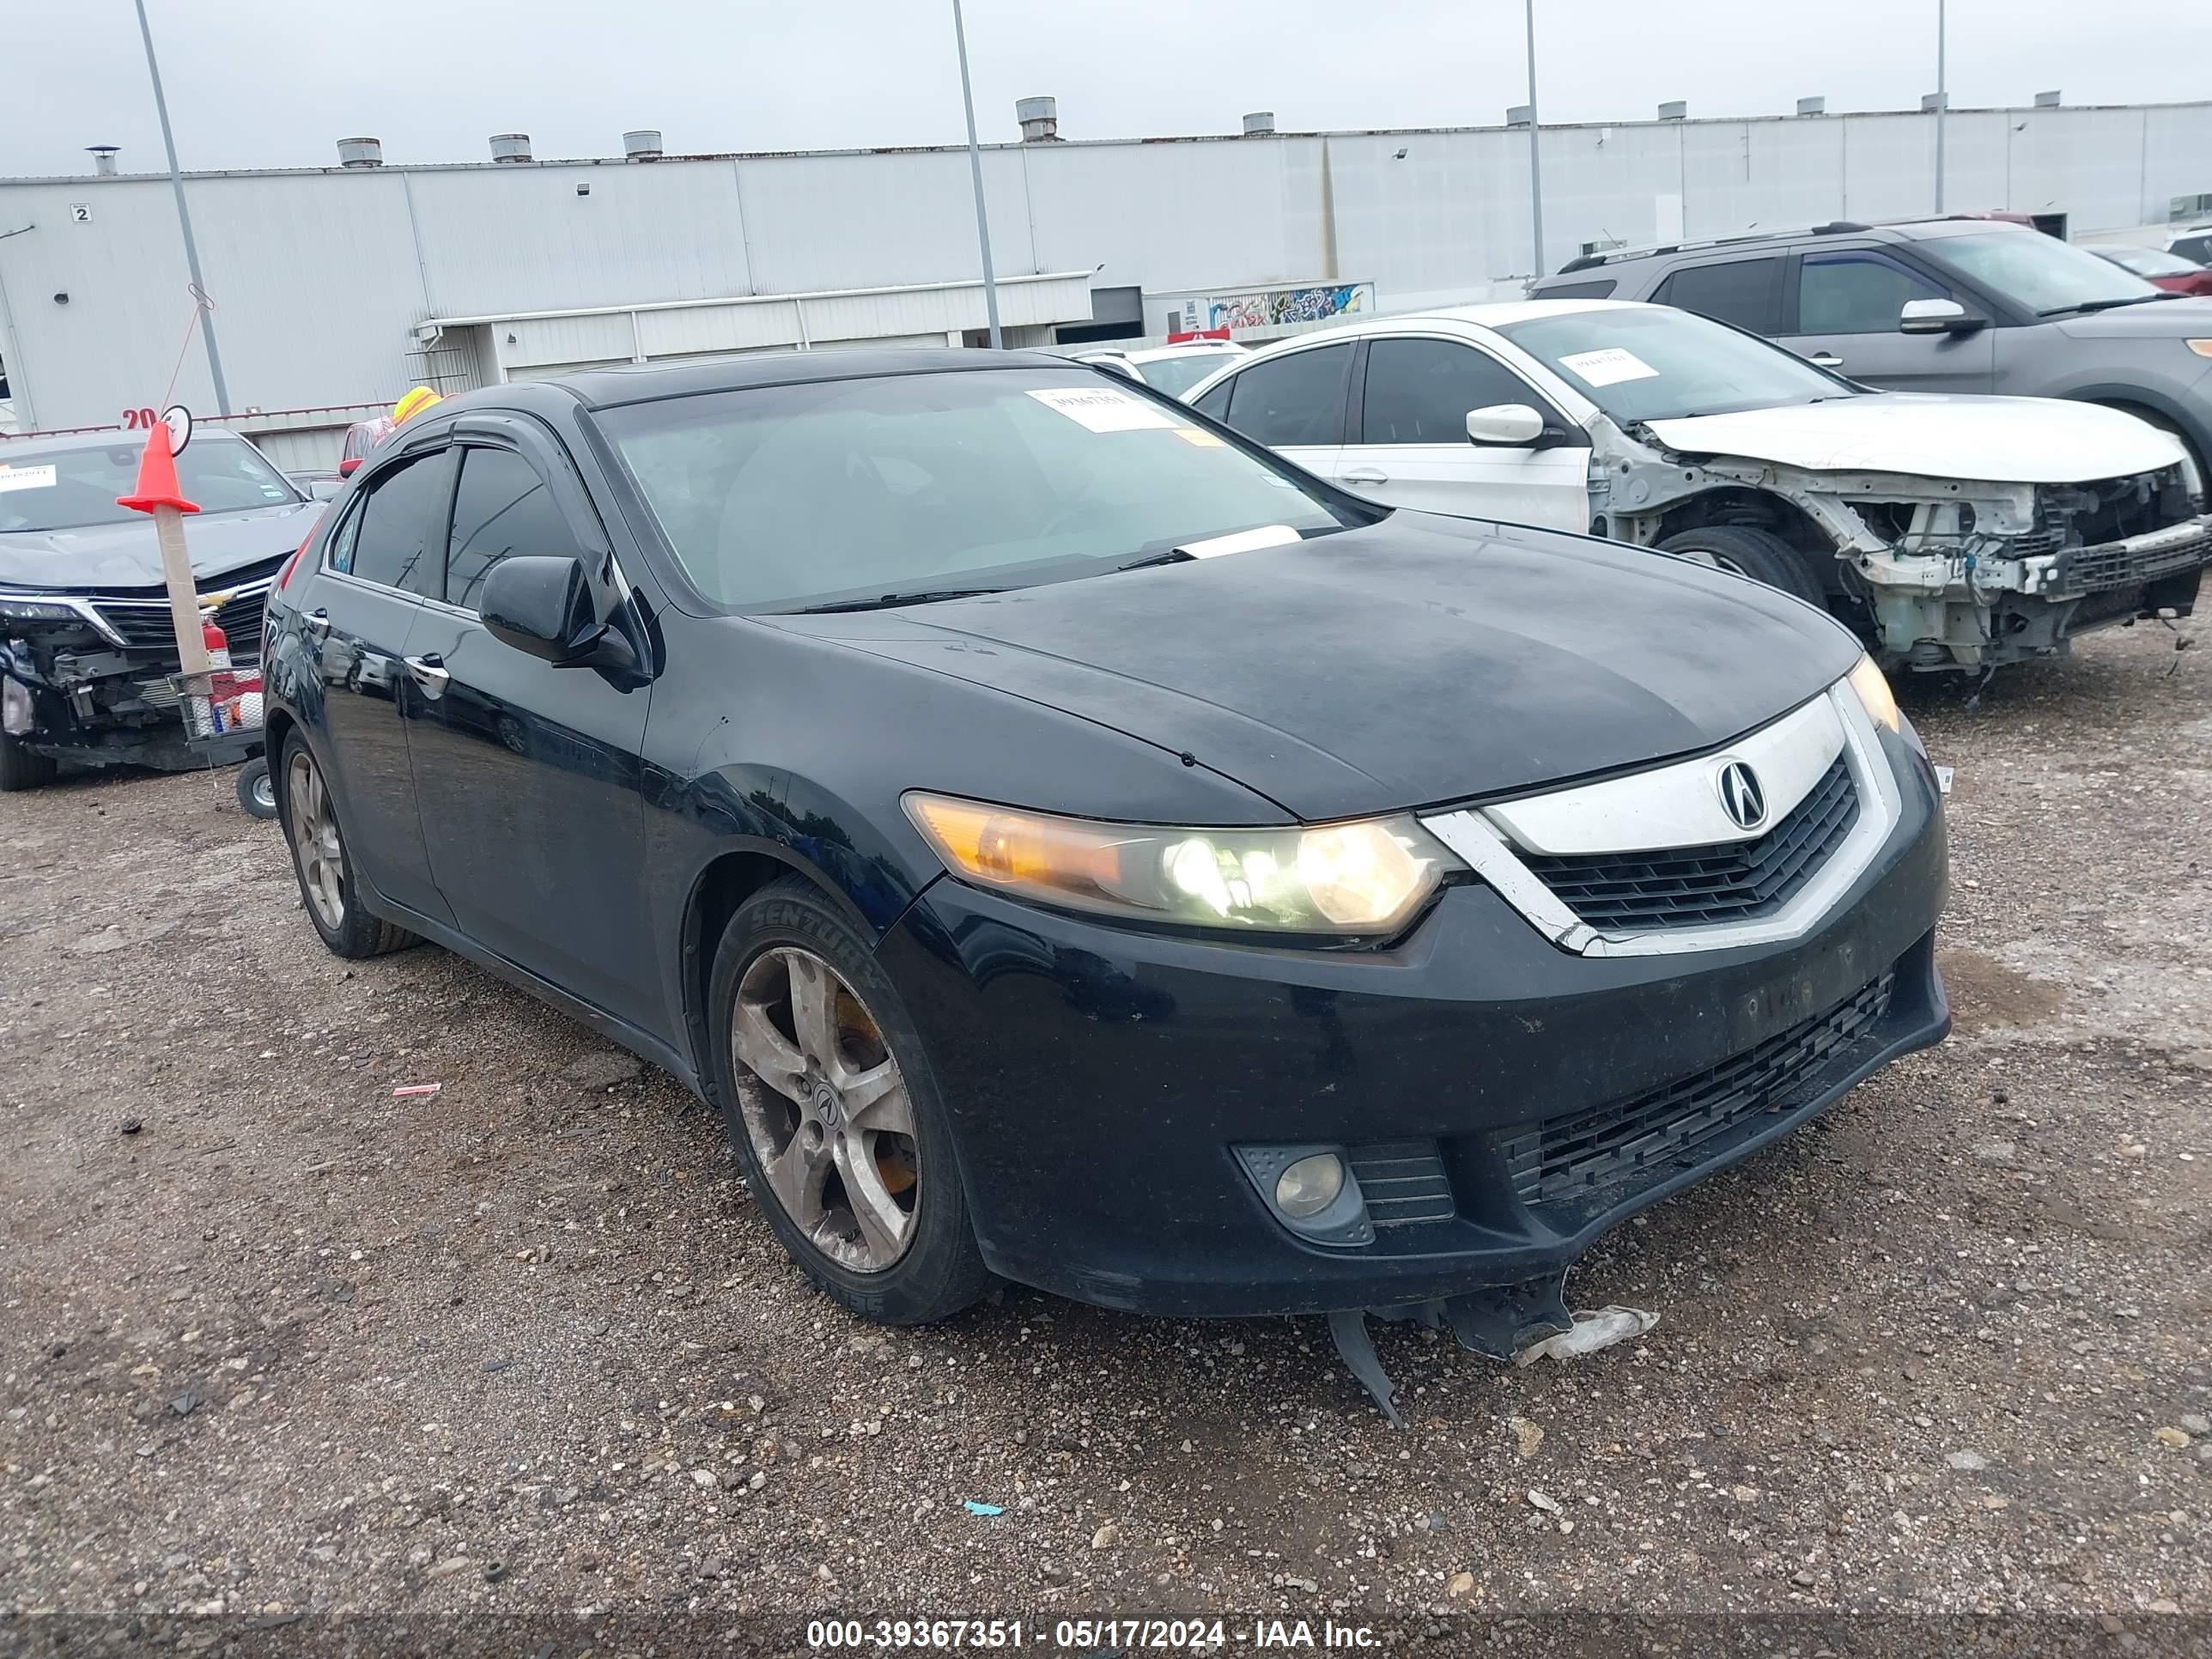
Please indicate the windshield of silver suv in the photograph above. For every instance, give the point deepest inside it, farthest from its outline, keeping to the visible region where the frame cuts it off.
(2039, 273)
(1655, 363)
(906, 487)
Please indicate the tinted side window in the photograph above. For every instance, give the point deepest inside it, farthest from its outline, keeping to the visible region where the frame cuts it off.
(1741, 292)
(1856, 291)
(501, 507)
(401, 539)
(1216, 402)
(1419, 392)
(1296, 400)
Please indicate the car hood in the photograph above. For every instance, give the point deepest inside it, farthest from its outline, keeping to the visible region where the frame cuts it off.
(1999, 440)
(1420, 660)
(127, 556)
(2188, 318)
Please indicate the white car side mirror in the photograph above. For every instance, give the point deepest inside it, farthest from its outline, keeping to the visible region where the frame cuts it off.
(1514, 424)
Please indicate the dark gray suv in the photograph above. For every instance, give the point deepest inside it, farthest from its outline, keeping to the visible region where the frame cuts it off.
(1939, 305)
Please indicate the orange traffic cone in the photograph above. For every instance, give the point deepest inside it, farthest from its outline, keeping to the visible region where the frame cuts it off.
(157, 476)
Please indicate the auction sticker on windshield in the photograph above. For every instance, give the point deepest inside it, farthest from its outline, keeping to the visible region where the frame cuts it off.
(1605, 366)
(1101, 409)
(26, 478)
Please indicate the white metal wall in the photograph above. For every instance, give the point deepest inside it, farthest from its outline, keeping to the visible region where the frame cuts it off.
(322, 275)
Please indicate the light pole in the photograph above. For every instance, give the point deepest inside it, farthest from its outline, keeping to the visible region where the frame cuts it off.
(1535, 127)
(975, 167)
(1942, 100)
(184, 221)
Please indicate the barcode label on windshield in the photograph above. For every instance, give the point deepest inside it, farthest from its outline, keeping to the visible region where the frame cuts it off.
(1101, 409)
(26, 478)
(1604, 367)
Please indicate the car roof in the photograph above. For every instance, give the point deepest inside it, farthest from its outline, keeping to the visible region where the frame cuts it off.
(1590, 266)
(637, 383)
(14, 452)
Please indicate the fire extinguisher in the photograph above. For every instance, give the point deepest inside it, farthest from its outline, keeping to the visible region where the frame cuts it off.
(222, 684)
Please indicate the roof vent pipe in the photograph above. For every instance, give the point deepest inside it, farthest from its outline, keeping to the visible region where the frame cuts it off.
(1517, 115)
(1931, 102)
(1674, 109)
(2047, 99)
(360, 152)
(1040, 119)
(103, 159)
(1259, 124)
(1812, 107)
(510, 147)
(643, 144)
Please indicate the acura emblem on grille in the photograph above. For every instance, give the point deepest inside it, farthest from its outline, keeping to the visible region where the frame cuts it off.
(1741, 796)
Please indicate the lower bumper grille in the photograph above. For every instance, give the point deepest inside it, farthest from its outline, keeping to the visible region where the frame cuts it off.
(2100, 569)
(1403, 1182)
(1694, 886)
(1561, 1160)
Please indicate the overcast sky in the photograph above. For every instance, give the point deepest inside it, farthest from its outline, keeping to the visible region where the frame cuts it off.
(274, 83)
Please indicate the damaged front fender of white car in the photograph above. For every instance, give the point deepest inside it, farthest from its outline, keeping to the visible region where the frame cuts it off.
(1966, 532)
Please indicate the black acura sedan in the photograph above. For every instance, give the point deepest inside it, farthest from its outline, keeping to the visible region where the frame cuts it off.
(1073, 845)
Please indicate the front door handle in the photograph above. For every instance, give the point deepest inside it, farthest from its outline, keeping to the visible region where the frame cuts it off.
(429, 672)
(1364, 475)
(318, 622)
(1824, 360)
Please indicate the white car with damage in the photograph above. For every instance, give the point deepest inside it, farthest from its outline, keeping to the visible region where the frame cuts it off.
(1954, 532)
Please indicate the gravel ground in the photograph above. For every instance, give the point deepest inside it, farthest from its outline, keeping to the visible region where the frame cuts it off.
(273, 1342)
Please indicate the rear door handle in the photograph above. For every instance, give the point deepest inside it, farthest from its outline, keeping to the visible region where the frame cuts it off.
(318, 622)
(1824, 360)
(429, 672)
(1364, 475)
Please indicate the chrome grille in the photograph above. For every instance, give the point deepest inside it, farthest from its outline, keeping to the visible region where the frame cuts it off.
(1552, 1161)
(1696, 886)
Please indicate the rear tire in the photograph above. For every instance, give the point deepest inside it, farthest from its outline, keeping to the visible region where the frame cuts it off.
(1749, 551)
(327, 891)
(24, 768)
(884, 1130)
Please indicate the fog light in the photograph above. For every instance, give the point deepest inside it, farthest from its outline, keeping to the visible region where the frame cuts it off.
(15, 708)
(1310, 1186)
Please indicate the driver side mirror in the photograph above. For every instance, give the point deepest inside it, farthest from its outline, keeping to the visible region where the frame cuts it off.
(1937, 317)
(544, 607)
(1515, 425)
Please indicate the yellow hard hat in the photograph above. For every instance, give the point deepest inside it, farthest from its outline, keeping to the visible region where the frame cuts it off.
(413, 404)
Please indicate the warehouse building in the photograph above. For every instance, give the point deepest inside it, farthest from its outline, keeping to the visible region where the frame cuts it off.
(337, 288)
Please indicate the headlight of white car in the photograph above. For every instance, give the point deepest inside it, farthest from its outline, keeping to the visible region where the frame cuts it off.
(1366, 877)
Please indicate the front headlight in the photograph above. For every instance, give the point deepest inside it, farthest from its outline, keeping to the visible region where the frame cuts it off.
(22, 608)
(1346, 879)
(1874, 693)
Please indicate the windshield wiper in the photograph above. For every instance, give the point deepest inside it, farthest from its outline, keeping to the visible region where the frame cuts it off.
(2087, 305)
(883, 601)
(1172, 556)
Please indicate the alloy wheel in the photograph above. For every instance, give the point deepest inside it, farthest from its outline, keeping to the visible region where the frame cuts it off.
(315, 840)
(826, 1110)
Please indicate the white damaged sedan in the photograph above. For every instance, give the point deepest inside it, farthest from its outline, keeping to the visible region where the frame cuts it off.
(1951, 532)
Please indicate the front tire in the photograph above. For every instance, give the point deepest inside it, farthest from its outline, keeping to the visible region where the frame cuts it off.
(1749, 551)
(327, 891)
(22, 768)
(833, 1113)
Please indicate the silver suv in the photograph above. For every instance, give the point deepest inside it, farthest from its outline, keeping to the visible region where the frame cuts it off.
(1939, 305)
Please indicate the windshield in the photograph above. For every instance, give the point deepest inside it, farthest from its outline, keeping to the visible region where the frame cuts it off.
(2040, 273)
(783, 497)
(1655, 363)
(2150, 261)
(1177, 375)
(72, 488)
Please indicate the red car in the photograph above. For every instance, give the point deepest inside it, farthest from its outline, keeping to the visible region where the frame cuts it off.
(2161, 269)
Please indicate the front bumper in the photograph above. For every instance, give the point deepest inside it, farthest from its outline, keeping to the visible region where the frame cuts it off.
(1519, 1100)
